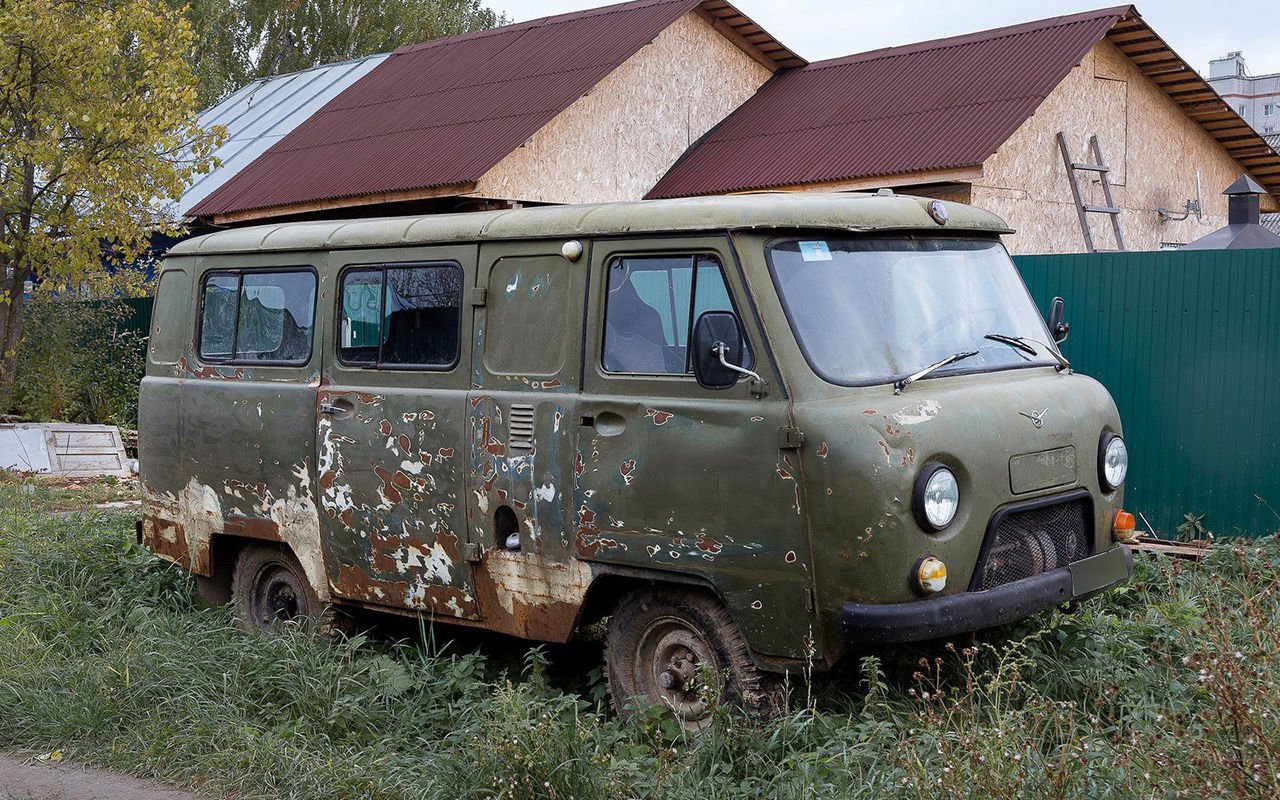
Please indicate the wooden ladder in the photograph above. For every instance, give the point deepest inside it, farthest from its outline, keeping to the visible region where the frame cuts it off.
(1083, 209)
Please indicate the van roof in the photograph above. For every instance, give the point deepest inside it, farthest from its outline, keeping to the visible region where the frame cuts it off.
(859, 213)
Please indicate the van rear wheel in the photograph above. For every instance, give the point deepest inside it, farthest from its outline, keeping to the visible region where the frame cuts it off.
(683, 651)
(270, 589)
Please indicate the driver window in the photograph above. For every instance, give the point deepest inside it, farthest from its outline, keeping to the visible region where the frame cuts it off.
(652, 304)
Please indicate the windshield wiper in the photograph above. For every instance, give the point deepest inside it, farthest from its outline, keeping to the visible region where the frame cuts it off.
(1012, 341)
(951, 359)
(1020, 342)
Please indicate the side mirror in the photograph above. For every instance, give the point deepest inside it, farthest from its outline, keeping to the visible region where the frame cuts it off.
(1058, 329)
(717, 347)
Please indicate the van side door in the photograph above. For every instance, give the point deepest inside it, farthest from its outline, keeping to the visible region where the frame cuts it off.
(522, 412)
(672, 476)
(235, 405)
(390, 429)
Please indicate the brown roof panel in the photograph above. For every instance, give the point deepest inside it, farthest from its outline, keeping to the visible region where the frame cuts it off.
(934, 105)
(443, 113)
(949, 103)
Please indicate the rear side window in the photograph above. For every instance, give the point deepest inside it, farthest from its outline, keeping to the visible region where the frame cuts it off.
(652, 305)
(257, 317)
(406, 316)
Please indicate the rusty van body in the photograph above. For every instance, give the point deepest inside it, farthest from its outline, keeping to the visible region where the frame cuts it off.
(723, 421)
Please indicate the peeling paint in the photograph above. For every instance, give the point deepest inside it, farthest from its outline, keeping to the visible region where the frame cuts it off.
(920, 412)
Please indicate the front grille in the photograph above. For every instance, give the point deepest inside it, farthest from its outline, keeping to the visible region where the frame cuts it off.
(1029, 540)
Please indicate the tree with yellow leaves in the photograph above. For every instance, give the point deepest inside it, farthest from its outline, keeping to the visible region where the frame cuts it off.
(98, 134)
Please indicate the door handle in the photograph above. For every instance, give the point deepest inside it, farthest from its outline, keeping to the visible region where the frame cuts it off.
(338, 409)
(606, 423)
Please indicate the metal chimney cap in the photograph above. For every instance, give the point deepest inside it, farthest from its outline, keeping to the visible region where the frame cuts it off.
(1244, 185)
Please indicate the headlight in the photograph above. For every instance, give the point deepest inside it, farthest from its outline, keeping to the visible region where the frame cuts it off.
(937, 496)
(1113, 461)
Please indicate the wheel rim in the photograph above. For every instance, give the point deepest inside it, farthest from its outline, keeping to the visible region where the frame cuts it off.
(677, 667)
(277, 596)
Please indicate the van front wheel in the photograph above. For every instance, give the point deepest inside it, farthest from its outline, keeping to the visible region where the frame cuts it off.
(683, 651)
(269, 588)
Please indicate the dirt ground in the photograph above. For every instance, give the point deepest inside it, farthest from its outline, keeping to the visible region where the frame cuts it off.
(28, 778)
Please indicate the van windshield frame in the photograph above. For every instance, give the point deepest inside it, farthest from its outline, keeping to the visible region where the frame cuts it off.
(870, 310)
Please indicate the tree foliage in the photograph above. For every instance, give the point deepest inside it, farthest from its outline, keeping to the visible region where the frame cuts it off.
(97, 132)
(241, 40)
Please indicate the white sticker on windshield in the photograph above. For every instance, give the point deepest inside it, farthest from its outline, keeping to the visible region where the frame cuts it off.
(815, 251)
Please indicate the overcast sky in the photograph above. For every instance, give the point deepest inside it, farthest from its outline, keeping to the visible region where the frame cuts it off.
(819, 29)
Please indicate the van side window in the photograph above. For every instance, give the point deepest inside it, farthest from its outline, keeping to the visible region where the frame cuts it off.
(652, 305)
(403, 316)
(257, 317)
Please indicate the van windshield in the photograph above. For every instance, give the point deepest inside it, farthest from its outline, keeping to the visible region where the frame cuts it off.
(874, 310)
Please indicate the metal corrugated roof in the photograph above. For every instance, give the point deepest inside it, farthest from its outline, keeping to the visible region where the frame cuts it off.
(443, 113)
(261, 113)
(935, 105)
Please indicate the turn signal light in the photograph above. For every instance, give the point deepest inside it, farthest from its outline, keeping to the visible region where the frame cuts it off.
(1123, 526)
(931, 575)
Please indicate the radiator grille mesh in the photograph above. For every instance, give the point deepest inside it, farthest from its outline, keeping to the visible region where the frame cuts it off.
(1036, 540)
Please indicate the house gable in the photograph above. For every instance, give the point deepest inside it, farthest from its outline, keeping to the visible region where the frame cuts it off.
(617, 140)
(1155, 153)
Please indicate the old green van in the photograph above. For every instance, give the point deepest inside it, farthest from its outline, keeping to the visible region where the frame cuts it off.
(753, 432)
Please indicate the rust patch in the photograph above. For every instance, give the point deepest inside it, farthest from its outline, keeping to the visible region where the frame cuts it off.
(388, 490)
(253, 527)
(823, 450)
(708, 545)
(885, 447)
(167, 539)
(658, 417)
(588, 537)
(627, 470)
(405, 444)
(870, 412)
(384, 427)
(525, 594)
(443, 453)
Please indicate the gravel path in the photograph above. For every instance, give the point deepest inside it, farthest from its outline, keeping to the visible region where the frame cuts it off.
(26, 778)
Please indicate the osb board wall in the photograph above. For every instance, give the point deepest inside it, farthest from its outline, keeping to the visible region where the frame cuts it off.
(617, 141)
(1154, 151)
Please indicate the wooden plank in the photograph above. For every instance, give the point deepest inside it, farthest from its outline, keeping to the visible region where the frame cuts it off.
(770, 62)
(343, 202)
(1195, 550)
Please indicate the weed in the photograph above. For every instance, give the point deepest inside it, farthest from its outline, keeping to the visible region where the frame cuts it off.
(1162, 688)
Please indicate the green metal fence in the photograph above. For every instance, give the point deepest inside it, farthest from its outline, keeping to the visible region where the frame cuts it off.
(1189, 345)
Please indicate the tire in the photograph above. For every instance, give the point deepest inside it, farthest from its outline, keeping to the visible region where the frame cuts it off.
(681, 650)
(269, 590)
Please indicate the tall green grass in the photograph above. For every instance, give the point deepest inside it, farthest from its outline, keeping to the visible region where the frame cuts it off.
(1166, 688)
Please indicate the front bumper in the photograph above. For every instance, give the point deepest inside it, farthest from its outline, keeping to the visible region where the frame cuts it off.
(970, 611)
